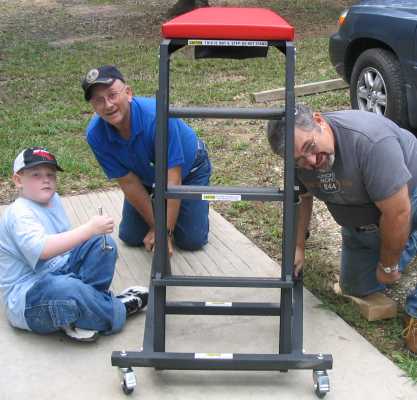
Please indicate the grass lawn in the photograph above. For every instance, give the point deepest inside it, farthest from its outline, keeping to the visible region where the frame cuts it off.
(46, 48)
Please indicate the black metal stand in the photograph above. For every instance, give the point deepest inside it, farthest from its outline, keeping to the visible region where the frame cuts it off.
(290, 309)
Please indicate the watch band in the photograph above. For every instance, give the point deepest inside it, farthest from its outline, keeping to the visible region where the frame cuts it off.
(389, 270)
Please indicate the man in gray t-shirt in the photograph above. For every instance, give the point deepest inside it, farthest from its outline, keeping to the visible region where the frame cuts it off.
(364, 167)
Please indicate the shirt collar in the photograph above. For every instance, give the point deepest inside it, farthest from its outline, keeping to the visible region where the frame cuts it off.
(135, 120)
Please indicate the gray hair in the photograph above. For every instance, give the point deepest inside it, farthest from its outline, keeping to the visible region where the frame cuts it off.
(275, 130)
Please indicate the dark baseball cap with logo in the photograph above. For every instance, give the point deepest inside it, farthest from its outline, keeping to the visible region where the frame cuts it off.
(32, 157)
(105, 75)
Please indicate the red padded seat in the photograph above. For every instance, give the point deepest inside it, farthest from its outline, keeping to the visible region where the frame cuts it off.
(228, 23)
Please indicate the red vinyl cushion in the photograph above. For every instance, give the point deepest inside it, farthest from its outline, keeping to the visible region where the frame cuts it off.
(229, 23)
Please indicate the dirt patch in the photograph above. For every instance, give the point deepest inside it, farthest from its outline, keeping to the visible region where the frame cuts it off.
(64, 20)
(108, 11)
(36, 3)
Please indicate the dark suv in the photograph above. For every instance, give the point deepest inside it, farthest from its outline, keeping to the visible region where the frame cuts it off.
(375, 51)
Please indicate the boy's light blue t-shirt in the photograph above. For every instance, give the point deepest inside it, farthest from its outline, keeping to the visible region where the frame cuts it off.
(24, 229)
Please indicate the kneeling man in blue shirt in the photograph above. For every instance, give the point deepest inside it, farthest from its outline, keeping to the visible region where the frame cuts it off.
(122, 137)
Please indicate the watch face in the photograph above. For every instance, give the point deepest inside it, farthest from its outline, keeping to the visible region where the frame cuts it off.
(390, 270)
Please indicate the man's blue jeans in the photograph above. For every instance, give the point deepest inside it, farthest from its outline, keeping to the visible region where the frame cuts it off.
(192, 227)
(78, 293)
(360, 255)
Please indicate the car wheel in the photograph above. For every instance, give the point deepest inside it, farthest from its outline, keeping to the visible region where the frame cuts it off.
(376, 85)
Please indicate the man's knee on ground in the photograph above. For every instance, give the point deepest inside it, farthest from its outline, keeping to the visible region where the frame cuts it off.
(190, 244)
(358, 290)
(347, 289)
(129, 240)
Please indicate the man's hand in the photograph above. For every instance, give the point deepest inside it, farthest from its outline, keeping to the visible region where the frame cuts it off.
(298, 260)
(149, 242)
(170, 246)
(304, 216)
(387, 279)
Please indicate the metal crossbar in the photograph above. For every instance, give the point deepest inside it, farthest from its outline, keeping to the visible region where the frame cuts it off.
(225, 113)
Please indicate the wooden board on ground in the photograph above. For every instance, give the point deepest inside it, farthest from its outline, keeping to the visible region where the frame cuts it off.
(374, 307)
(300, 90)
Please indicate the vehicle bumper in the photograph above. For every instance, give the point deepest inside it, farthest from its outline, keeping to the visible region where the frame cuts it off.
(337, 51)
(411, 91)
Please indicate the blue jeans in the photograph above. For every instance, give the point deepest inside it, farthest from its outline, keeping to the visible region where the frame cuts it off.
(78, 293)
(192, 227)
(360, 255)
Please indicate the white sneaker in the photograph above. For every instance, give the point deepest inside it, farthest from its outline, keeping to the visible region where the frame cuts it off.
(79, 334)
(135, 298)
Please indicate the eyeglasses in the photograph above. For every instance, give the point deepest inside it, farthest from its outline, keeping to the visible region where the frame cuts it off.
(112, 97)
(309, 150)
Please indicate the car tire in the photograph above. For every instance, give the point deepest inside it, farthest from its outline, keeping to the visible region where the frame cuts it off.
(376, 85)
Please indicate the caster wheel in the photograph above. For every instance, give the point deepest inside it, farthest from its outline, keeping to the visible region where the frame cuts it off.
(321, 383)
(127, 390)
(128, 380)
(320, 394)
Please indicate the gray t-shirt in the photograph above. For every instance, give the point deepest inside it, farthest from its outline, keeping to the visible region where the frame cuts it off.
(374, 158)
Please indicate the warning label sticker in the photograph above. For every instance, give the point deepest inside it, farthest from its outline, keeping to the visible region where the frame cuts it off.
(223, 356)
(218, 304)
(221, 197)
(240, 43)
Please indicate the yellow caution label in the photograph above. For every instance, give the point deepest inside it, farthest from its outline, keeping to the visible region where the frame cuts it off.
(232, 43)
(221, 197)
(194, 42)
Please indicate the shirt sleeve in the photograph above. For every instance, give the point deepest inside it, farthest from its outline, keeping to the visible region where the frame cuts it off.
(111, 167)
(384, 169)
(29, 236)
(175, 150)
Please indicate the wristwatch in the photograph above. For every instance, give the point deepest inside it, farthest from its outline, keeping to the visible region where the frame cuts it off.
(389, 270)
(170, 232)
